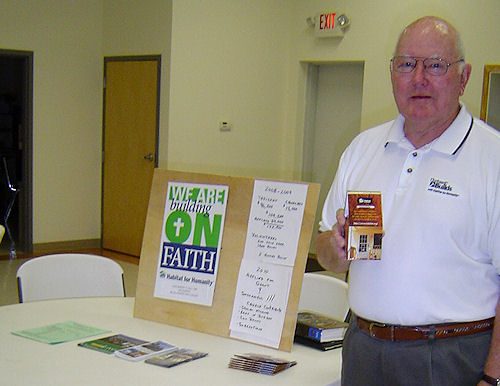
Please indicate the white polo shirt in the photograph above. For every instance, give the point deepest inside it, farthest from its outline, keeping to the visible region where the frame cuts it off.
(441, 209)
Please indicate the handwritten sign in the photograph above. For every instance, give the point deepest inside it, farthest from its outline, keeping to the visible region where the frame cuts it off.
(260, 302)
(275, 220)
(264, 280)
(190, 244)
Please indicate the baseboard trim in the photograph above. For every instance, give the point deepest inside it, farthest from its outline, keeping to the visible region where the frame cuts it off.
(58, 246)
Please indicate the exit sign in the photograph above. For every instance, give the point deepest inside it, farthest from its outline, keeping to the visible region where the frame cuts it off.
(327, 25)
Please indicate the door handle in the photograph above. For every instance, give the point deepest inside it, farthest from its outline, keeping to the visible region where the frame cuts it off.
(150, 157)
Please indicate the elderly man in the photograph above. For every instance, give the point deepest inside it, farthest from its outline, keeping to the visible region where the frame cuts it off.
(424, 313)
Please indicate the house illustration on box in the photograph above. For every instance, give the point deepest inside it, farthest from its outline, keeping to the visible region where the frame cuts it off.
(363, 228)
(366, 243)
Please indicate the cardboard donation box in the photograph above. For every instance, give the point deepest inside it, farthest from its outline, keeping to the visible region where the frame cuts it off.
(364, 228)
(226, 255)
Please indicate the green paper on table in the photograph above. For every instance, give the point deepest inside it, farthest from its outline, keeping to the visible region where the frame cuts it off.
(60, 332)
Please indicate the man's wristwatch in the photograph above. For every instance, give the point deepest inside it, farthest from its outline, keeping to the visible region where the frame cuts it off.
(491, 380)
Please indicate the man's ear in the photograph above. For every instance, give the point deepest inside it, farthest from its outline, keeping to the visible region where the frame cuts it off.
(464, 77)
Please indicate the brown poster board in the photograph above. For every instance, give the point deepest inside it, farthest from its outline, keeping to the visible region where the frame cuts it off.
(214, 319)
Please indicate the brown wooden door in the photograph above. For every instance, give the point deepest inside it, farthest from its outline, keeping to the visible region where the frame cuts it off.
(130, 149)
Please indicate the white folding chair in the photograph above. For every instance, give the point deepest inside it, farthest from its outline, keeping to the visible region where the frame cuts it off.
(325, 294)
(69, 275)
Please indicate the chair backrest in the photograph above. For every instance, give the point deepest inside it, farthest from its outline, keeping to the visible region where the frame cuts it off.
(325, 294)
(69, 275)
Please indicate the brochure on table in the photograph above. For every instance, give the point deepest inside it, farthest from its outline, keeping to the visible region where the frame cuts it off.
(226, 255)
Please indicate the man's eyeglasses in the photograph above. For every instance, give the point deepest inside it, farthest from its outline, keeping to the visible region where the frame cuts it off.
(433, 66)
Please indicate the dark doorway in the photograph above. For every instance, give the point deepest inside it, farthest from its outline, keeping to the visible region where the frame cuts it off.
(16, 133)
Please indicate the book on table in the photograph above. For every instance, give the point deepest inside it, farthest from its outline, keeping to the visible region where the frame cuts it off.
(319, 327)
(322, 346)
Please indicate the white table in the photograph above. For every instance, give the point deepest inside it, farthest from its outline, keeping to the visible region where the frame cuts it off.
(27, 362)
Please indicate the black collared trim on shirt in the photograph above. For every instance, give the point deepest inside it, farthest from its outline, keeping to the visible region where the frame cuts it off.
(466, 135)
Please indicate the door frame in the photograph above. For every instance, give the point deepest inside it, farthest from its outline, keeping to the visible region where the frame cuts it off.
(488, 69)
(129, 58)
(25, 195)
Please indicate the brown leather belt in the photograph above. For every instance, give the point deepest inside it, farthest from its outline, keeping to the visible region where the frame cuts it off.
(395, 332)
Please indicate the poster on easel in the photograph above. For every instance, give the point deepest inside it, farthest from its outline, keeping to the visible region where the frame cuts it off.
(238, 276)
(189, 252)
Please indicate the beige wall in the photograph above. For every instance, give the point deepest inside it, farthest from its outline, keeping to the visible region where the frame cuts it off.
(66, 38)
(371, 37)
(235, 60)
(240, 61)
(142, 28)
(229, 62)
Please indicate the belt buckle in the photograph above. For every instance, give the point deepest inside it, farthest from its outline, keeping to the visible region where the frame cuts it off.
(375, 324)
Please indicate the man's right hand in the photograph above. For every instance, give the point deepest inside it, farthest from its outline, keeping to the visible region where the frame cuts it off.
(330, 246)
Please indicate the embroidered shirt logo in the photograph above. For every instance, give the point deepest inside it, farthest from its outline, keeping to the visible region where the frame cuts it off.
(440, 186)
